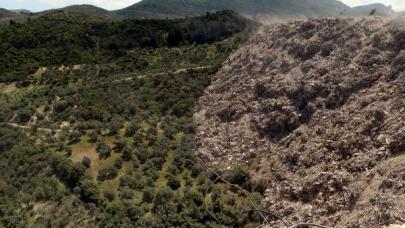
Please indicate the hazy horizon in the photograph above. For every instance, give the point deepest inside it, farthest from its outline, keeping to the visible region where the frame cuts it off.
(40, 5)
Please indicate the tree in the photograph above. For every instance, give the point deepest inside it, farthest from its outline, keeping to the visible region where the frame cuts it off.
(103, 150)
(107, 173)
(66, 171)
(89, 191)
(162, 198)
(24, 115)
(148, 195)
(119, 145)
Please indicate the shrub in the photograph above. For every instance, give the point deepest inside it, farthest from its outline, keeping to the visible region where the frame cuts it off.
(89, 191)
(86, 162)
(74, 137)
(193, 196)
(126, 154)
(93, 137)
(67, 172)
(107, 173)
(114, 127)
(240, 177)
(260, 186)
(24, 115)
(118, 163)
(148, 195)
(134, 181)
(131, 129)
(119, 145)
(68, 151)
(116, 207)
(126, 193)
(136, 213)
(173, 182)
(109, 195)
(163, 197)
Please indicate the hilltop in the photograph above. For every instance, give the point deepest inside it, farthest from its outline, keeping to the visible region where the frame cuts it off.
(315, 110)
(84, 9)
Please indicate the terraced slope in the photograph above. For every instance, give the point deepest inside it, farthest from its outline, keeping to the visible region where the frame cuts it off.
(316, 110)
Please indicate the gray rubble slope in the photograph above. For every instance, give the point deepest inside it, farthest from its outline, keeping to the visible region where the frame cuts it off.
(316, 109)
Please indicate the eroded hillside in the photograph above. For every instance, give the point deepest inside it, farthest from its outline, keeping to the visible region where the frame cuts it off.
(316, 110)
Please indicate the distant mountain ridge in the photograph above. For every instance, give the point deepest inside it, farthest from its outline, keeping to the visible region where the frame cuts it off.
(260, 10)
(381, 10)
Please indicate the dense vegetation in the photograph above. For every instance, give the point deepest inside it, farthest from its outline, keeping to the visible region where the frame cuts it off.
(108, 141)
(72, 38)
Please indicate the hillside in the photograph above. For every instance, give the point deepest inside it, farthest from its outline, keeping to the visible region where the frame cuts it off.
(17, 16)
(316, 111)
(265, 11)
(74, 38)
(96, 123)
(359, 11)
(257, 9)
(6, 13)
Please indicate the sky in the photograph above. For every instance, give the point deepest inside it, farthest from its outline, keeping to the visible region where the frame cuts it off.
(38, 5)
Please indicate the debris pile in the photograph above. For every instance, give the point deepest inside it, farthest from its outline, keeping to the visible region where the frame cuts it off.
(316, 108)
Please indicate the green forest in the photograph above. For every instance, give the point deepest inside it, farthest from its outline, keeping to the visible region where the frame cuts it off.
(73, 38)
(96, 126)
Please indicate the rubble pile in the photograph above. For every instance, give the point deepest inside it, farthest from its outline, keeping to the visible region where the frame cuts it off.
(315, 108)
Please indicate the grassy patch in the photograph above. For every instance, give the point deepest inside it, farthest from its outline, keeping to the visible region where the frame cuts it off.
(84, 148)
(161, 181)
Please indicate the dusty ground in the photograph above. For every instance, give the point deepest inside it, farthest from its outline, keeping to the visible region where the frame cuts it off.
(317, 109)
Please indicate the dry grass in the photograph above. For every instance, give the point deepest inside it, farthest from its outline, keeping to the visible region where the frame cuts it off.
(84, 148)
(114, 183)
(161, 181)
(8, 88)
